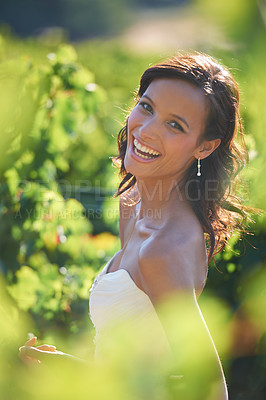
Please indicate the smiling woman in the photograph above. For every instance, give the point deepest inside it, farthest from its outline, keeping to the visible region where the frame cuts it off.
(198, 98)
(178, 159)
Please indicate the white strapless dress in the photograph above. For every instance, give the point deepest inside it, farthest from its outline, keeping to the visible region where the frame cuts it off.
(117, 302)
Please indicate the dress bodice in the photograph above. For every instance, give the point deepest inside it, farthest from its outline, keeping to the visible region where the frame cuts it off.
(116, 301)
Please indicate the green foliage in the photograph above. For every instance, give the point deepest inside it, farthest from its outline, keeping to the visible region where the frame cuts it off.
(116, 69)
(50, 115)
(238, 18)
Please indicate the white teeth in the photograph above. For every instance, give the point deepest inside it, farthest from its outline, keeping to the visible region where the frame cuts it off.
(144, 149)
(141, 155)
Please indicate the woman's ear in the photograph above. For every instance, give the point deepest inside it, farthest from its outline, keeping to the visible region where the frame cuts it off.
(206, 148)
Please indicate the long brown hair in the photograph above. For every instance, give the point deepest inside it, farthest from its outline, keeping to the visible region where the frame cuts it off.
(221, 213)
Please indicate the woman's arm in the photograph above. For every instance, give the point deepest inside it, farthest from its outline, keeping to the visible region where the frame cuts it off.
(194, 352)
(168, 279)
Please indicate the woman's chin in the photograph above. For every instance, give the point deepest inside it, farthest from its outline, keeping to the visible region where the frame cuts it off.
(129, 165)
(132, 167)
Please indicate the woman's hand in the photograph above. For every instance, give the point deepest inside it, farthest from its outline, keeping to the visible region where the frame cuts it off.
(30, 354)
(44, 353)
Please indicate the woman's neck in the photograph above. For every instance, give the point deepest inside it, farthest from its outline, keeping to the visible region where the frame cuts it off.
(160, 197)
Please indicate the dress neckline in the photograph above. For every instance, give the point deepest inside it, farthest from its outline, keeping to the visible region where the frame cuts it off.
(105, 273)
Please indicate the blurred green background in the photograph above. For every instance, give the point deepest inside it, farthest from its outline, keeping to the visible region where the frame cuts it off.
(68, 73)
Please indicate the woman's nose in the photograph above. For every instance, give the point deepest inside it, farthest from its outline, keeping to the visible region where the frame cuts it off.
(149, 130)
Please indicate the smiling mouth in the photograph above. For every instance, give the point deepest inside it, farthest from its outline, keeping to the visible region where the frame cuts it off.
(143, 151)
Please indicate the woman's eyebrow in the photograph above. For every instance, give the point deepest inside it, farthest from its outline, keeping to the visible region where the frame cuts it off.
(147, 97)
(181, 119)
(173, 115)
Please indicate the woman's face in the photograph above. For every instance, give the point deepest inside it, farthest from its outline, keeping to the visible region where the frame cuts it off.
(164, 129)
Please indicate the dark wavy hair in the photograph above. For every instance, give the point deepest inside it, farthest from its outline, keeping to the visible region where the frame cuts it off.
(222, 212)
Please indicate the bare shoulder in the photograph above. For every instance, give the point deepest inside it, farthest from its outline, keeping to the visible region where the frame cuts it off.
(175, 260)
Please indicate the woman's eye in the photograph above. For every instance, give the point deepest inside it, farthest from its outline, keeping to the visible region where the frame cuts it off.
(146, 106)
(176, 125)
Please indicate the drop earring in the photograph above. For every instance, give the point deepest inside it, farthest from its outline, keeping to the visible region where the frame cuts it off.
(199, 173)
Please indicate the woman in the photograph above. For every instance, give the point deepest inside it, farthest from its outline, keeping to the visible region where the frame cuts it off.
(177, 158)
